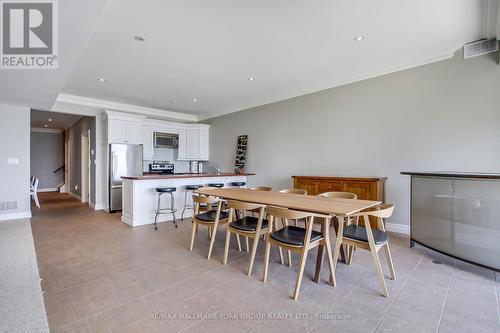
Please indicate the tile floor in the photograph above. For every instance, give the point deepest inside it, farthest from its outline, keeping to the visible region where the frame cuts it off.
(99, 275)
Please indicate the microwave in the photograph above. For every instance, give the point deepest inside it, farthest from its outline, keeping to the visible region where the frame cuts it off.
(165, 140)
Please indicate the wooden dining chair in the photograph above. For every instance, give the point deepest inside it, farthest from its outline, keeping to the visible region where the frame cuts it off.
(296, 239)
(365, 237)
(294, 191)
(261, 188)
(247, 226)
(211, 219)
(340, 195)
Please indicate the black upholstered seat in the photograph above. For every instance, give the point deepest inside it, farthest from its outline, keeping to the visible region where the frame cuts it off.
(210, 216)
(358, 233)
(193, 187)
(294, 235)
(165, 189)
(215, 185)
(238, 184)
(248, 223)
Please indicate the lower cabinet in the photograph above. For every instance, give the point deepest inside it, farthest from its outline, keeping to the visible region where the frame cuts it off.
(366, 188)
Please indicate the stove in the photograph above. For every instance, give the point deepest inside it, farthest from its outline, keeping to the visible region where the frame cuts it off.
(161, 167)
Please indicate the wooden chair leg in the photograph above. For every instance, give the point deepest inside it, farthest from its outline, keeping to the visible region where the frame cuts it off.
(281, 255)
(338, 244)
(350, 253)
(300, 273)
(266, 260)
(255, 244)
(226, 246)
(389, 261)
(289, 258)
(380, 273)
(239, 242)
(193, 233)
(247, 246)
(212, 239)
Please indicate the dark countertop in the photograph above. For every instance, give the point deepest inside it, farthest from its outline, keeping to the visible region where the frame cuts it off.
(187, 175)
(453, 174)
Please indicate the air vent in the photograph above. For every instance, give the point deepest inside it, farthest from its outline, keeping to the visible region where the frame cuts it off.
(8, 205)
(480, 47)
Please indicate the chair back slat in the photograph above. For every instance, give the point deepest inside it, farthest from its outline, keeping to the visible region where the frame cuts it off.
(289, 214)
(261, 188)
(294, 191)
(240, 205)
(339, 194)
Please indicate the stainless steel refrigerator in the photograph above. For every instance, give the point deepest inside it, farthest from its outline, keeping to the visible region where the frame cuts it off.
(124, 160)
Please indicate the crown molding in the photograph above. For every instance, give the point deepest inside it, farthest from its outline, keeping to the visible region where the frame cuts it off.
(47, 130)
(115, 106)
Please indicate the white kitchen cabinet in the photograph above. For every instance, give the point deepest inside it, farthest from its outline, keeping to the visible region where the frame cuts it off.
(134, 132)
(147, 141)
(117, 131)
(124, 131)
(193, 144)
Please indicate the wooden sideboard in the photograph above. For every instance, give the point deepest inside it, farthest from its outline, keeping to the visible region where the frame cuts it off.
(368, 188)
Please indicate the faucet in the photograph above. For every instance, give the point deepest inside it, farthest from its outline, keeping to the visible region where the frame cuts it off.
(215, 167)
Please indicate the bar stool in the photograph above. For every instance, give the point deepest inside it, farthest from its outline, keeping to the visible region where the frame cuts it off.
(189, 189)
(237, 184)
(170, 210)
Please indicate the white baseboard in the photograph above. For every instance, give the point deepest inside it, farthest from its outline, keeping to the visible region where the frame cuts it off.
(398, 228)
(15, 216)
(48, 189)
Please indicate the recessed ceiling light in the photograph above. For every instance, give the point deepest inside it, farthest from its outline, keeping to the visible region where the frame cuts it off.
(46, 125)
(250, 78)
(50, 119)
(173, 102)
(195, 100)
(359, 38)
(139, 38)
(101, 79)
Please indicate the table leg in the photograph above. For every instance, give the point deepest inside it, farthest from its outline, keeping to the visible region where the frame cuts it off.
(321, 254)
(342, 252)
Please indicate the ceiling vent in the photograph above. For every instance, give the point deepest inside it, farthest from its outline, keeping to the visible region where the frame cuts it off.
(480, 47)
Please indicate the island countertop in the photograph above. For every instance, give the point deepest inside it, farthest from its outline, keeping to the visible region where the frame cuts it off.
(187, 175)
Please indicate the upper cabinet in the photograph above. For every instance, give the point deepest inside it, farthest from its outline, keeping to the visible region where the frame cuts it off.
(124, 128)
(194, 143)
(135, 129)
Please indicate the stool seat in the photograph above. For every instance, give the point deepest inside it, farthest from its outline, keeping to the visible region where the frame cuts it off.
(215, 185)
(165, 189)
(193, 187)
(238, 184)
(294, 235)
(248, 223)
(358, 233)
(210, 216)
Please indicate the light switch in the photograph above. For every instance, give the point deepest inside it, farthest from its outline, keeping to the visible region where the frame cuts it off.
(12, 160)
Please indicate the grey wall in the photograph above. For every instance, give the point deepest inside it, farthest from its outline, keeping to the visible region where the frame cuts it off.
(75, 132)
(15, 143)
(47, 154)
(442, 116)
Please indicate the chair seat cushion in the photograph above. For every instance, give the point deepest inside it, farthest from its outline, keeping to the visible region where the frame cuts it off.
(193, 187)
(248, 223)
(358, 232)
(294, 235)
(215, 185)
(210, 216)
(165, 189)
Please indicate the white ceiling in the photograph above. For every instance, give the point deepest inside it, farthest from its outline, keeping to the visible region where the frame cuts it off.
(39, 88)
(57, 120)
(208, 49)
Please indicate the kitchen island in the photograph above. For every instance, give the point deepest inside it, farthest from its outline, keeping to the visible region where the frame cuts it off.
(139, 194)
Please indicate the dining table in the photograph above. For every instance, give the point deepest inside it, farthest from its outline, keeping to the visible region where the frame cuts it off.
(319, 206)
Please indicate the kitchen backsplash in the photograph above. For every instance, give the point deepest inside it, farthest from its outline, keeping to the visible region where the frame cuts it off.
(167, 154)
